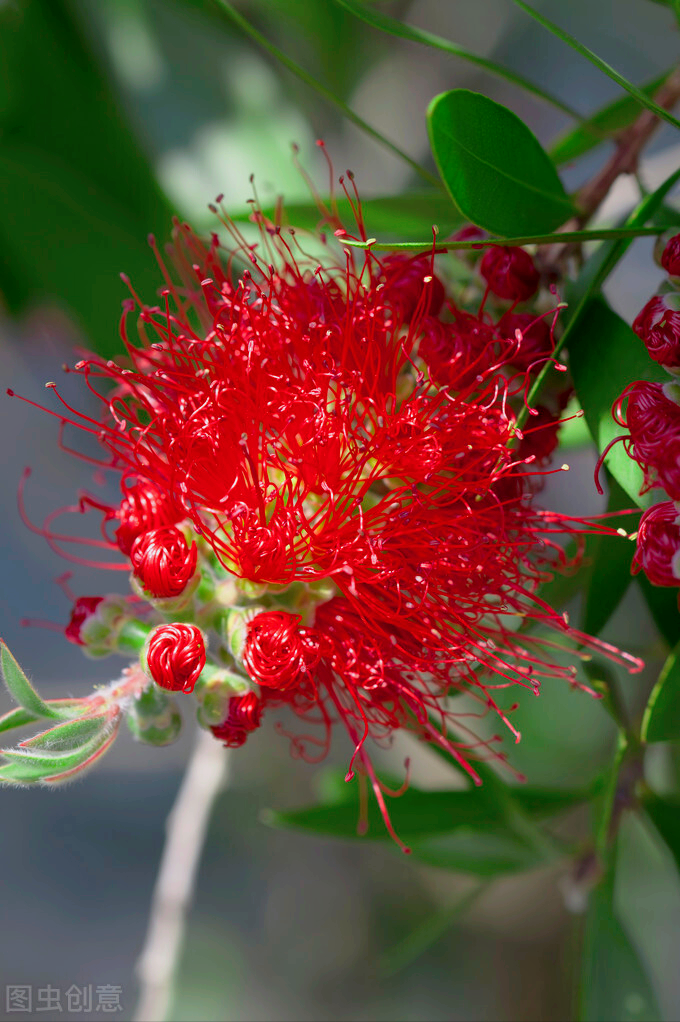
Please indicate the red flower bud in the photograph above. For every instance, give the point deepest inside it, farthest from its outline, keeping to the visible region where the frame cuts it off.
(670, 260)
(658, 325)
(658, 545)
(278, 652)
(510, 273)
(541, 436)
(244, 715)
(409, 281)
(175, 656)
(456, 353)
(163, 561)
(653, 420)
(82, 609)
(536, 344)
(144, 507)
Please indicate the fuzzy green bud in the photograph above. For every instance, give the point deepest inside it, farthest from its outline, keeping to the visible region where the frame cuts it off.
(153, 717)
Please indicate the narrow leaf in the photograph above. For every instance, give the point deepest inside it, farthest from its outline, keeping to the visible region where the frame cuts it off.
(642, 98)
(494, 167)
(417, 35)
(18, 717)
(563, 237)
(100, 748)
(238, 19)
(665, 816)
(20, 687)
(663, 606)
(484, 853)
(604, 357)
(611, 561)
(661, 720)
(604, 124)
(614, 984)
(70, 735)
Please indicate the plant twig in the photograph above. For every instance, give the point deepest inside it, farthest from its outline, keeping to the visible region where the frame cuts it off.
(186, 829)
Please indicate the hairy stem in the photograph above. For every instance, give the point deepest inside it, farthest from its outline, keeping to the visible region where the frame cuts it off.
(186, 829)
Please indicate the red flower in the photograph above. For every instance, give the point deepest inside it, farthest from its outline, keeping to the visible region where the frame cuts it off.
(144, 507)
(175, 656)
(244, 716)
(658, 545)
(458, 353)
(83, 608)
(163, 561)
(278, 652)
(658, 325)
(510, 273)
(541, 436)
(670, 259)
(411, 284)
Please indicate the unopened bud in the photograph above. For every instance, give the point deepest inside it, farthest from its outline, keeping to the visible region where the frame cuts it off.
(510, 273)
(153, 717)
(658, 326)
(214, 689)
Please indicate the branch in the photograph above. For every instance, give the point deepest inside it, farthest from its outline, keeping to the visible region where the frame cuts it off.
(186, 828)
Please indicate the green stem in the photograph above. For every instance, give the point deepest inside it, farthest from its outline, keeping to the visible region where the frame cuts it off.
(594, 234)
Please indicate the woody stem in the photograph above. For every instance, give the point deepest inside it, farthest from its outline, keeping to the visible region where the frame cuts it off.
(186, 829)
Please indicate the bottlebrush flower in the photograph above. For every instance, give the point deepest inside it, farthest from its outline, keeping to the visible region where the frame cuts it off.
(658, 326)
(535, 342)
(163, 562)
(510, 273)
(658, 545)
(343, 448)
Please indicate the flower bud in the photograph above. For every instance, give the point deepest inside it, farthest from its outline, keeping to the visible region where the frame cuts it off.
(83, 608)
(278, 652)
(670, 258)
(658, 545)
(96, 623)
(244, 715)
(540, 437)
(174, 656)
(653, 420)
(658, 326)
(214, 690)
(535, 342)
(153, 717)
(164, 563)
(510, 273)
(456, 353)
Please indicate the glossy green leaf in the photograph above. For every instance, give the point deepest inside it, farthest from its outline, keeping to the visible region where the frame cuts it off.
(663, 606)
(661, 720)
(602, 125)
(665, 816)
(611, 558)
(614, 984)
(384, 23)
(404, 216)
(495, 169)
(21, 688)
(600, 64)
(604, 357)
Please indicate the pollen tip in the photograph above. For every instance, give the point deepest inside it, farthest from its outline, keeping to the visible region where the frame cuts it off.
(50, 384)
(151, 239)
(10, 392)
(220, 197)
(565, 468)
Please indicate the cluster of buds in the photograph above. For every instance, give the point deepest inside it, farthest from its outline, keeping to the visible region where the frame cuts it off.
(650, 412)
(324, 507)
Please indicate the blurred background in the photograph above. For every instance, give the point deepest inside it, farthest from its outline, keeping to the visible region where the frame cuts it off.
(114, 115)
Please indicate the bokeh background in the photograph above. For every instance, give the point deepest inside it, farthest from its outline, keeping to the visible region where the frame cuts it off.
(115, 114)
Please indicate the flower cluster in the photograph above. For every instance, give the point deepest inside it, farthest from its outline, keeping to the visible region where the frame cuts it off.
(327, 506)
(650, 412)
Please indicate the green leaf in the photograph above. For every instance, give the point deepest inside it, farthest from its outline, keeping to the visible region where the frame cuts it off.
(404, 216)
(604, 357)
(614, 984)
(69, 735)
(230, 11)
(21, 688)
(608, 121)
(663, 606)
(661, 720)
(419, 813)
(611, 560)
(665, 816)
(482, 853)
(29, 767)
(495, 169)
(602, 65)
(384, 23)
(18, 717)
